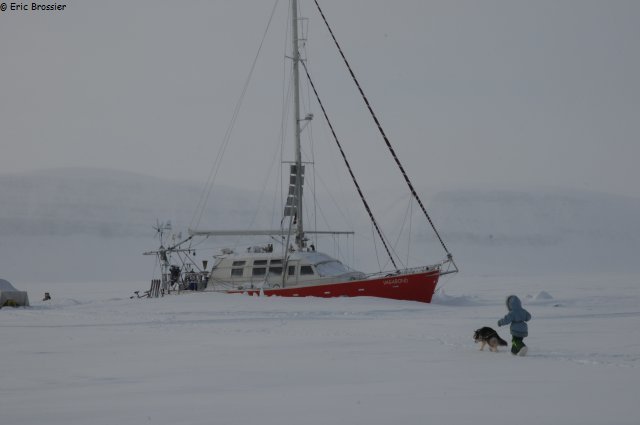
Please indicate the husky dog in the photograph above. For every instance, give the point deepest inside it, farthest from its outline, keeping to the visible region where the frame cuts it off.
(487, 336)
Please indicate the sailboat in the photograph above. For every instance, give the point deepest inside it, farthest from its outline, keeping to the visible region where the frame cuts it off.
(296, 269)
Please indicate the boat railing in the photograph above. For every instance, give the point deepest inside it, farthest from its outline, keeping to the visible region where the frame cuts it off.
(402, 272)
(447, 266)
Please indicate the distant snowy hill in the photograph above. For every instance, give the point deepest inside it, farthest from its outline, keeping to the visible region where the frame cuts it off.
(103, 203)
(87, 224)
(539, 218)
(537, 230)
(91, 224)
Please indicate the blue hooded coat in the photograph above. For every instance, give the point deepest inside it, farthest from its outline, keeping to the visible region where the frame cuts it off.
(517, 316)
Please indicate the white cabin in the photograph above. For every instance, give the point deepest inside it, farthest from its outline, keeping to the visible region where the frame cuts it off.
(265, 269)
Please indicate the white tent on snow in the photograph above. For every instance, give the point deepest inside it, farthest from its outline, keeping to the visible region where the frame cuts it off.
(10, 296)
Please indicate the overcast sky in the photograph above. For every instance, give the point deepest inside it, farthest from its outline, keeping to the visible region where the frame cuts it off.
(487, 94)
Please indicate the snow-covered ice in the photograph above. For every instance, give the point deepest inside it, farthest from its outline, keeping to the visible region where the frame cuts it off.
(92, 355)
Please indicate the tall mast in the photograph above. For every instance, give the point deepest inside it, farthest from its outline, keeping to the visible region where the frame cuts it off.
(296, 126)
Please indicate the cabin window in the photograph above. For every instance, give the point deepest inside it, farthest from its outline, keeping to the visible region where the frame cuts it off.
(238, 263)
(259, 262)
(237, 272)
(275, 270)
(292, 270)
(259, 271)
(306, 270)
(331, 268)
(277, 261)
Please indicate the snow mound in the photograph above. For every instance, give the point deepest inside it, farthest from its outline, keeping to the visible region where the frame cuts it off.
(541, 296)
(440, 297)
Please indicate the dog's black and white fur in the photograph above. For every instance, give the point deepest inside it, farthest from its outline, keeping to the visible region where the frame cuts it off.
(488, 336)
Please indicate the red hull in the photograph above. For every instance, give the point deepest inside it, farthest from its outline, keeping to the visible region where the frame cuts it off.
(410, 287)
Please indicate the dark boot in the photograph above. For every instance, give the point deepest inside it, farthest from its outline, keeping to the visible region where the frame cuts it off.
(516, 345)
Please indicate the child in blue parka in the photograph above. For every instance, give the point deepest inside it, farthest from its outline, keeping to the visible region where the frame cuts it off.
(518, 317)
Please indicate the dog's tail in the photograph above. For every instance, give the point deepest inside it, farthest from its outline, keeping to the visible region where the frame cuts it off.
(501, 341)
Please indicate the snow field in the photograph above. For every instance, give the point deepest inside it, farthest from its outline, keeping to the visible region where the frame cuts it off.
(92, 355)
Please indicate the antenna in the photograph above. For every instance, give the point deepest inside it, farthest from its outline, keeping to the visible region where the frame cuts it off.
(161, 228)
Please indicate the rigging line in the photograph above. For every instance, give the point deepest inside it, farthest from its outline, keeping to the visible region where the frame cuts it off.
(289, 227)
(309, 128)
(310, 157)
(286, 93)
(384, 136)
(401, 231)
(410, 225)
(264, 186)
(346, 161)
(313, 161)
(375, 248)
(353, 249)
(191, 262)
(315, 187)
(227, 137)
(336, 205)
